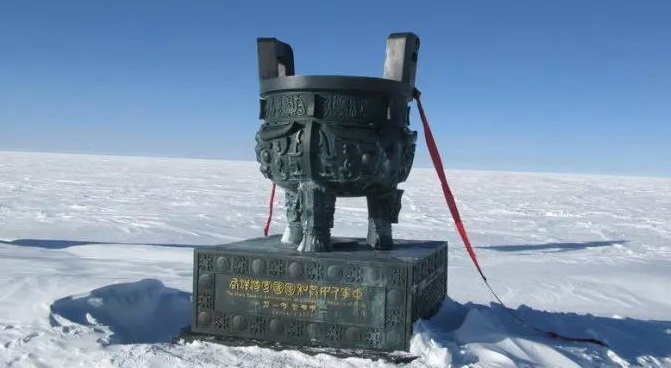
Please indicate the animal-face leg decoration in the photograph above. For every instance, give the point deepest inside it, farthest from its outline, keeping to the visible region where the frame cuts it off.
(293, 233)
(383, 209)
(318, 207)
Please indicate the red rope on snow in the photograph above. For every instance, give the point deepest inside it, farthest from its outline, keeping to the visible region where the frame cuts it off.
(461, 229)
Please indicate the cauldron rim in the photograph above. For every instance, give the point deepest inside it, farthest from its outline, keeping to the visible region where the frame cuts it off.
(334, 83)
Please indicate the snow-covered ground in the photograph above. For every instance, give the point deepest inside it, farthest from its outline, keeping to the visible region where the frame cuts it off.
(96, 262)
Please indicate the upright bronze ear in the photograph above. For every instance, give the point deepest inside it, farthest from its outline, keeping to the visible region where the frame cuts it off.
(276, 58)
(401, 62)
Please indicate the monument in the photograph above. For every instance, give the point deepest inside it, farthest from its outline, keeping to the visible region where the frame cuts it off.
(323, 137)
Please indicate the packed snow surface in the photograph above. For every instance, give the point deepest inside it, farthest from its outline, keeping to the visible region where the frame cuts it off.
(96, 263)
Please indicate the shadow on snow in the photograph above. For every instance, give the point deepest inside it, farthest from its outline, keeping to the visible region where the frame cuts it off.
(554, 247)
(342, 244)
(62, 244)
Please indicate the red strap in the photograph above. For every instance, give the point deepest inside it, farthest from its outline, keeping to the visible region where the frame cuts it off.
(452, 205)
(449, 197)
(270, 211)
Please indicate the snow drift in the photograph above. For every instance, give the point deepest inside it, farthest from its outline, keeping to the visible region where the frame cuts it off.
(140, 312)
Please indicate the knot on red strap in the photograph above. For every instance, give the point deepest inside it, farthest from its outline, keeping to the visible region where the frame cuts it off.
(416, 93)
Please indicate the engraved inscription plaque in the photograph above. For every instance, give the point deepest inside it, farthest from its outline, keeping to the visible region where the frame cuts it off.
(318, 301)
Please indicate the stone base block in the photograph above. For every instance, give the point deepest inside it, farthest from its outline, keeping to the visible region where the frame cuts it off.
(351, 298)
(395, 357)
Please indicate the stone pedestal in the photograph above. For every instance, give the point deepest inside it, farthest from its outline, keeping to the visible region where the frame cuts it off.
(353, 297)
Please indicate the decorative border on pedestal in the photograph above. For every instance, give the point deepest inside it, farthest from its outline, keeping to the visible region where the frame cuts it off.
(386, 326)
(291, 273)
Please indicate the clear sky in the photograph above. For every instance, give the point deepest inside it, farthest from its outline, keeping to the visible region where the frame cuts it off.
(563, 86)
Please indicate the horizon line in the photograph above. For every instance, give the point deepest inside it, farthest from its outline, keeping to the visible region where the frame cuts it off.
(415, 165)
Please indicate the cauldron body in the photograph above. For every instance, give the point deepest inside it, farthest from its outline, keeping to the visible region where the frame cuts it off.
(348, 135)
(329, 136)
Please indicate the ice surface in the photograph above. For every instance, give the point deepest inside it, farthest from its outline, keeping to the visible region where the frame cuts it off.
(96, 262)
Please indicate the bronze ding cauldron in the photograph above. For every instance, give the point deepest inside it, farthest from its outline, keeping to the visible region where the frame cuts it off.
(329, 136)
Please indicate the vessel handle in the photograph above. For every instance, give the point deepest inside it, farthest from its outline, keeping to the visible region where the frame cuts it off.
(276, 58)
(401, 62)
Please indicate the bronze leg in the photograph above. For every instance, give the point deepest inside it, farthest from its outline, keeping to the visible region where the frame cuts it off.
(293, 233)
(383, 209)
(318, 206)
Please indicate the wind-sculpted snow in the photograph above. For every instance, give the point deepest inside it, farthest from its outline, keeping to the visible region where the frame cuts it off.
(96, 262)
(141, 312)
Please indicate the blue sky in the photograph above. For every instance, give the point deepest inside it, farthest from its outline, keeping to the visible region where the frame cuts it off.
(559, 86)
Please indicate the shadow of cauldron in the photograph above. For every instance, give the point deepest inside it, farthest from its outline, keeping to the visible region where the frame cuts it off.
(330, 136)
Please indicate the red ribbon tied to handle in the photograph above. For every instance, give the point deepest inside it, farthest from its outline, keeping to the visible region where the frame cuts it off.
(452, 205)
(449, 197)
(461, 229)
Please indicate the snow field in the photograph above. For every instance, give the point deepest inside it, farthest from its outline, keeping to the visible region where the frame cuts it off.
(96, 263)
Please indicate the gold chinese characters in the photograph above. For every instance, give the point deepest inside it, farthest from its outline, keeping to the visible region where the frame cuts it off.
(296, 290)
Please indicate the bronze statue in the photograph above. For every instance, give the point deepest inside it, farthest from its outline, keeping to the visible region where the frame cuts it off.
(329, 136)
(324, 137)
